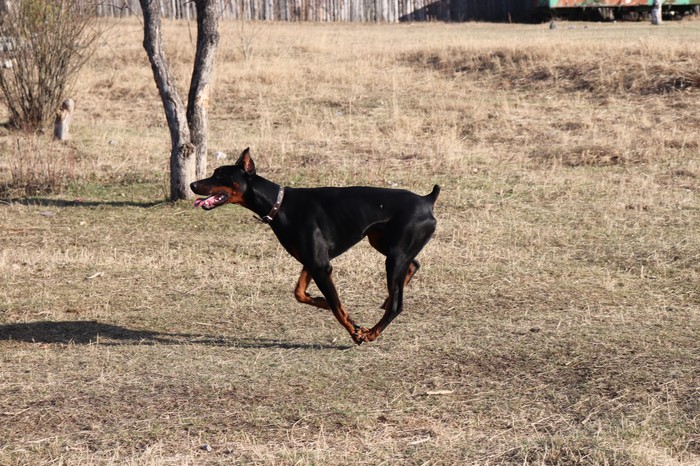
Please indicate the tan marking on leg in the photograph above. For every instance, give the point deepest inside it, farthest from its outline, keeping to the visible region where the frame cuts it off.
(305, 298)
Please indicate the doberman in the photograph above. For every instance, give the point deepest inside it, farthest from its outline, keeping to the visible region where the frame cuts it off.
(316, 225)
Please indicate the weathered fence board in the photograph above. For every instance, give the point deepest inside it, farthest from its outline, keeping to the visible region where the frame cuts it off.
(389, 11)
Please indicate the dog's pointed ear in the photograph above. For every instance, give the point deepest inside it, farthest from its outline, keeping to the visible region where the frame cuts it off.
(246, 162)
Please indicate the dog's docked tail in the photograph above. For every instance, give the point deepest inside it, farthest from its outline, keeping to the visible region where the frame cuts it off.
(433, 196)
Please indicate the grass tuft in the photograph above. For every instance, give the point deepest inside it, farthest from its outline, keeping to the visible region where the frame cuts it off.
(37, 166)
(567, 68)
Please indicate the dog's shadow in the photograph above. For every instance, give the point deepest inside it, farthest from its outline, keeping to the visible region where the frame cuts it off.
(88, 332)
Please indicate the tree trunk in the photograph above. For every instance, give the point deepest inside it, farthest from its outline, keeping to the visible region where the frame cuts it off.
(182, 162)
(656, 12)
(198, 100)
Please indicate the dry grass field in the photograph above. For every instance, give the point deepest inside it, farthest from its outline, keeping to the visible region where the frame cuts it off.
(555, 320)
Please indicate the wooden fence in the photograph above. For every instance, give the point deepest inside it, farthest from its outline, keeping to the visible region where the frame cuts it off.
(389, 11)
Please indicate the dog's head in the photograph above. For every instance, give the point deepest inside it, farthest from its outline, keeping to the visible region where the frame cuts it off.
(226, 185)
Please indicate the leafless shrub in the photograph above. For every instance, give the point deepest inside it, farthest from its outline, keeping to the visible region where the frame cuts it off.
(48, 42)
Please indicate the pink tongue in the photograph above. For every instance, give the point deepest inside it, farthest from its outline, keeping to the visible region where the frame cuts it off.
(202, 201)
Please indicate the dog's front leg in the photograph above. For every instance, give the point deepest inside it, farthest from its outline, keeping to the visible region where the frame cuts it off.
(305, 298)
(322, 277)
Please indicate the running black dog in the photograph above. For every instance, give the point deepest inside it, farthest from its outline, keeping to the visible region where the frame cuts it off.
(316, 225)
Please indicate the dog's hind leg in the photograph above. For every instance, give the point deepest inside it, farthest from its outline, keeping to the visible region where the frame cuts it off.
(376, 240)
(397, 267)
(402, 246)
(412, 269)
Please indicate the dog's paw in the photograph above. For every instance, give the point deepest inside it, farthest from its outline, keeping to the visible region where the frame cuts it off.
(360, 335)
